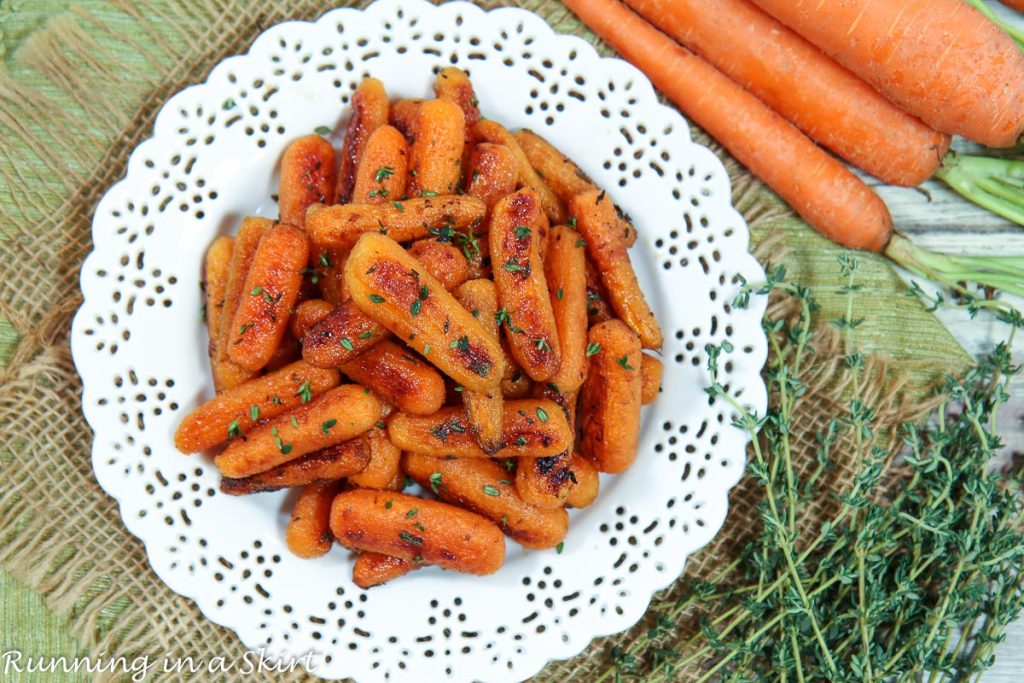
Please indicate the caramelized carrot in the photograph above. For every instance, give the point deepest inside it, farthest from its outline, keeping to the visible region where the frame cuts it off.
(309, 531)
(492, 173)
(369, 112)
(566, 271)
(403, 115)
(308, 176)
(346, 459)
(340, 336)
(453, 84)
(435, 155)
(587, 481)
(307, 314)
(372, 569)
(650, 378)
(384, 464)
(383, 168)
(398, 377)
(483, 409)
(215, 285)
(443, 258)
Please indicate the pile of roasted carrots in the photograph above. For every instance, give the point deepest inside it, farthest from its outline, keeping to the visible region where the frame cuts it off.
(882, 85)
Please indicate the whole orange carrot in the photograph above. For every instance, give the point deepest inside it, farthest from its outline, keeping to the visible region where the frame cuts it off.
(816, 185)
(941, 60)
(823, 99)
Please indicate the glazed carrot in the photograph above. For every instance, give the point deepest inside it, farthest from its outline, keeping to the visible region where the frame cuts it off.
(308, 176)
(341, 414)
(307, 314)
(529, 427)
(369, 112)
(340, 226)
(962, 75)
(227, 373)
(610, 398)
(215, 285)
(394, 289)
(398, 377)
(346, 459)
(820, 188)
(562, 175)
(385, 461)
(492, 172)
(484, 487)
(435, 154)
(490, 131)
(340, 336)
(483, 409)
(452, 84)
(515, 383)
(823, 99)
(545, 482)
(566, 272)
(235, 411)
(329, 271)
(598, 308)
(443, 258)
(383, 168)
(373, 569)
(270, 291)
(587, 481)
(517, 225)
(650, 378)
(309, 531)
(417, 530)
(403, 115)
(596, 219)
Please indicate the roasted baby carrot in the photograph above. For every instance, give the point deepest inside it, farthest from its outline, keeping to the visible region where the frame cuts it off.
(529, 427)
(820, 188)
(373, 569)
(309, 531)
(417, 530)
(596, 220)
(227, 373)
(345, 459)
(650, 378)
(369, 112)
(235, 411)
(341, 414)
(340, 336)
(435, 155)
(517, 223)
(483, 409)
(383, 168)
(443, 258)
(385, 461)
(452, 84)
(329, 271)
(491, 131)
(562, 175)
(307, 314)
(515, 383)
(484, 487)
(308, 176)
(215, 285)
(403, 115)
(398, 377)
(587, 481)
(394, 289)
(963, 75)
(545, 482)
(566, 271)
(338, 227)
(598, 308)
(492, 172)
(609, 405)
(270, 291)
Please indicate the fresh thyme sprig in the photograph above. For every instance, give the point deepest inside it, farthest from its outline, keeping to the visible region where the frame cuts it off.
(915, 571)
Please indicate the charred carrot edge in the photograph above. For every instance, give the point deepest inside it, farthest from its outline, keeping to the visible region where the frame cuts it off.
(328, 271)
(596, 221)
(308, 176)
(307, 314)
(399, 377)
(417, 530)
(485, 487)
(403, 115)
(442, 259)
(383, 168)
(609, 405)
(517, 223)
(587, 482)
(385, 461)
(369, 111)
(235, 411)
(373, 569)
(340, 336)
(309, 531)
(650, 378)
(483, 409)
(215, 285)
(545, 482)
(453, 84)
(341, 460)
(491, 131)
(393, 288)
(491, 173)
(226, 373)
(530, 427)
(270, 291)
(339, 227)
(566, 272)
(598, 308)
(435, 155)
(339, 415)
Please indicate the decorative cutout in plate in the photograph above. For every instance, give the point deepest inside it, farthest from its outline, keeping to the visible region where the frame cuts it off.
(140, 348)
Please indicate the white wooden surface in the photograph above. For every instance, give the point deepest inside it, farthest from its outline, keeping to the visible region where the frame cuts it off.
(941, 220)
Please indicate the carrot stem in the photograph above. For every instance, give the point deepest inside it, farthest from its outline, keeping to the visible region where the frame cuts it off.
(1015, 33)
(1001, 273)
(995, 184)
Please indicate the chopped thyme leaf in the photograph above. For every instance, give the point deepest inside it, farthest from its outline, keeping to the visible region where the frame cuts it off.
(523, 231)
(593, 348)
(397, 205)
(244, 328)
(414, 309)
(426, 350)
(381, 192)
(346, 344)
(366, 334)
(462, 343)
(254, 412)
(491, 491)
(322, 130)
(325, 261)
(387, 505)
(560, 293)
(326, 426)
(383, 173)
(559, 547)
(424, 293)
(542, 344)
(542, 414)
(276, 400)
(435, 481)
(233, 429)
(228, 104)
(427, 193)
(409, 538)
(305, 392)
(411, 513)
(554, 387)
(513, 267)
(571, 222)
(376, 298)
(624, 362)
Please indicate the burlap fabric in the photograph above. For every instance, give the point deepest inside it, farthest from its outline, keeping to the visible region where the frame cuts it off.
(80, 85)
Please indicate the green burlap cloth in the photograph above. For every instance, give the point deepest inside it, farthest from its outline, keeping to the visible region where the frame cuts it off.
(80, 84)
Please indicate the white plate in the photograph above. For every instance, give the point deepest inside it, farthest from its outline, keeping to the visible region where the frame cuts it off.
(140, 348)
